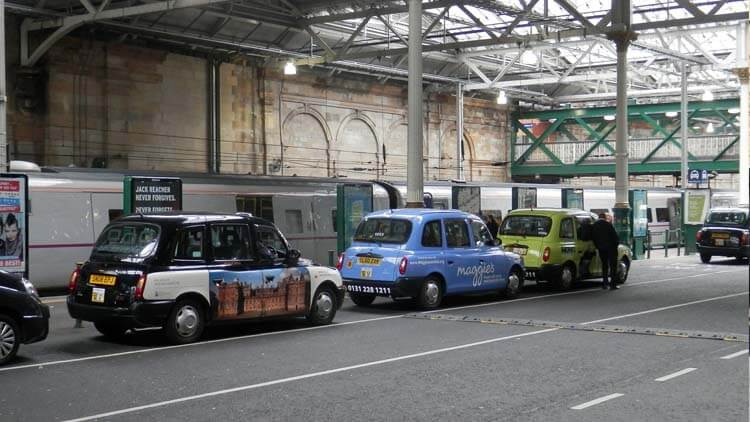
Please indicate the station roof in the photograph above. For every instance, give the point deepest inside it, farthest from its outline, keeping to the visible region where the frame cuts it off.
(548, 53)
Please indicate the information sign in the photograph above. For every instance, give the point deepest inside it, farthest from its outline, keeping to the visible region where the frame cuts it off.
(148, 195)
(697, 176)
(14, 221)
(696, 204)
(524, 198)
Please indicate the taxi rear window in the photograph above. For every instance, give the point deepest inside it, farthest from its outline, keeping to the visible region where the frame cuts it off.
(127, 241)
(526, 225)
(383, 230)
(727, 217)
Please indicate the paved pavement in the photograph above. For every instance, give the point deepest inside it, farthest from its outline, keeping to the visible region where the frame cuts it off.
(582, 355)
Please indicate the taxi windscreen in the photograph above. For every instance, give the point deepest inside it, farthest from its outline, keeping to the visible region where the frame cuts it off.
(734, 218)
(128, 240)
(526, 225)
(383, 230)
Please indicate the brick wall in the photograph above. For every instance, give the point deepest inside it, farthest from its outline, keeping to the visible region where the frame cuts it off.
(128, 107)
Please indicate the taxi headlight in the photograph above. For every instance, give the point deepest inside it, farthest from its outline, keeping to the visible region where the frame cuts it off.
(30, 289)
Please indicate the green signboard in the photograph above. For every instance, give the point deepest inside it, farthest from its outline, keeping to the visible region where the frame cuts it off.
(148, 195)
(353, 202)
(572, 198)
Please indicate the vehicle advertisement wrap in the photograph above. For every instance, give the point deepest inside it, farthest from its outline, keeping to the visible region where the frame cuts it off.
(14, 223)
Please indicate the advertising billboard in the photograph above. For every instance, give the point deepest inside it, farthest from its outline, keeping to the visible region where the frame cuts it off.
(14, 248)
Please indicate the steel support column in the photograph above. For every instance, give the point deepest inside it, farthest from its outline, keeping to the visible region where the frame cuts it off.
(743, 71)
(213, 123)
(459, 130)
(684, 126)
(414, 164)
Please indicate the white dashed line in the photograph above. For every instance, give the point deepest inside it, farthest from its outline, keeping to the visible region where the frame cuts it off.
(597, 401)
(675, 375)
(306, 376)
(734, 355)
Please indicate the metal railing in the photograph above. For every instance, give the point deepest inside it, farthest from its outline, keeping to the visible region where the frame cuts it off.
(663, 238)
(703, 147)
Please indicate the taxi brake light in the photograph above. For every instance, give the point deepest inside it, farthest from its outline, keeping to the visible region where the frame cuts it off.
(545, 255)
(340, 263)
(73, 280)
(402, 265)
(140, 286)
(699, 235)
(746, 238)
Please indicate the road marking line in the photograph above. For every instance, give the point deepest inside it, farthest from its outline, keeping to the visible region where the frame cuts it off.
(597, 401)
(675, 375)
(665, 308)
(153, 349)
(54, 299)
(734, 355)
(307, 376)
(177, 346)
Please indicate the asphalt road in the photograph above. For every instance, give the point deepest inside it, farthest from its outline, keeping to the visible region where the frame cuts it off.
(671, 344)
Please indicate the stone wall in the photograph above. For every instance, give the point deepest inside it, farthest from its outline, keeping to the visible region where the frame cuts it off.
(108, 104)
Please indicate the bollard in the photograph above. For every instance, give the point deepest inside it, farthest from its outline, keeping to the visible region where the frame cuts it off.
(331, 255)
(79, 324)
(650, 245)
(679, 241)
(666, 243)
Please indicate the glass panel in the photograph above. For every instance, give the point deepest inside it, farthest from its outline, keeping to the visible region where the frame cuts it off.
(383, 230)
(189, 244)
(481, 233)
(526, 225)
(131, 240)
(432, 235)
(269, 238)
(566, 229)
(456, 233)
(230, 242)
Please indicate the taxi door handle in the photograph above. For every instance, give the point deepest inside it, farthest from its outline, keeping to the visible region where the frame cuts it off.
(450, 262)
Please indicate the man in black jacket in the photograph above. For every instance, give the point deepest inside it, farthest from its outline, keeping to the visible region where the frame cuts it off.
(606, 240)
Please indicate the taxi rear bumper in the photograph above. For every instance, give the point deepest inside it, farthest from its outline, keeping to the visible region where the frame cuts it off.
(739, 252)
(402, 287)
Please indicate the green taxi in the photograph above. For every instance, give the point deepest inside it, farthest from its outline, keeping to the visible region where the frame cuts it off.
(555, 245)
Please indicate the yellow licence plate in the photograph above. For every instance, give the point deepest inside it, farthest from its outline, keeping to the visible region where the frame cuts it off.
(720, 235)
(104, 280)
(368, 261)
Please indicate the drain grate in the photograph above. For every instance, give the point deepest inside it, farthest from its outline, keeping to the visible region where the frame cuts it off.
(706, 335)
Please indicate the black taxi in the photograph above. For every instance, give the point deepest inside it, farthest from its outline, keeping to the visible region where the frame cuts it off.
(726, 232)
(23, 316)
(183, 271)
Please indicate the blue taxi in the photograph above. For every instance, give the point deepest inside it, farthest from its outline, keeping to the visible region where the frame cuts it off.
(426, 254)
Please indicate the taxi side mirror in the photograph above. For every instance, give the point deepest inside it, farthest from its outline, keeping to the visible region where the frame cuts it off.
(292, 257)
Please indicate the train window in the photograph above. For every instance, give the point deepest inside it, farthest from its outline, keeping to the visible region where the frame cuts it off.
(598, 211)
(114, 215)
(662, 215)
(189, 245)
(230, 241)
(259, 206)
(293, 221)
(649, 216)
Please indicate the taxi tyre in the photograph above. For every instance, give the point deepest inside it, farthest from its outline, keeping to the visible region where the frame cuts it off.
(10, 338)
(185, 322)
(430, 293)
(110, 330)
(511, 292)
(566, 278)
(705, 258)
(323, 308)
(362, 299)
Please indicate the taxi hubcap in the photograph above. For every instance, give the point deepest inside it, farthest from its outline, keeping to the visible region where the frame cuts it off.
(431, 292)
(513, 282)
(567, 276)
(324, 305)
(623, 270)
(187, 320)
(7, 339)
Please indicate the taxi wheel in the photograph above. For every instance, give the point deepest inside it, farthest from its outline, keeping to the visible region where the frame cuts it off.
(514, 285)
(705, 258)
(567, 277)
(362, 299)
(431, 294)
(110, 330)
(323, 307)
(623, 269)
(9, 338)
(185, 323)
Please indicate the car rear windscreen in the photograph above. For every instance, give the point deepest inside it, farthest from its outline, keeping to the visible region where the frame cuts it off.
(383, 230)
(127, 240)
(727, 217)
(526, 225)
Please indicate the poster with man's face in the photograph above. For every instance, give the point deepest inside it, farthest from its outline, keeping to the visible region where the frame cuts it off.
(13, 249)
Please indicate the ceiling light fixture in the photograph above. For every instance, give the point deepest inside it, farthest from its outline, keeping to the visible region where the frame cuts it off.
(710, 128)
(502, 99)
(671, 114)
(609, 117)
(707, 95)
(290, 68)
(734, 110)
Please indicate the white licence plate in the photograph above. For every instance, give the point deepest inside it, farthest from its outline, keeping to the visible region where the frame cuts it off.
(365, 273)
(719, 242)
(97, 295)
(520, 251)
